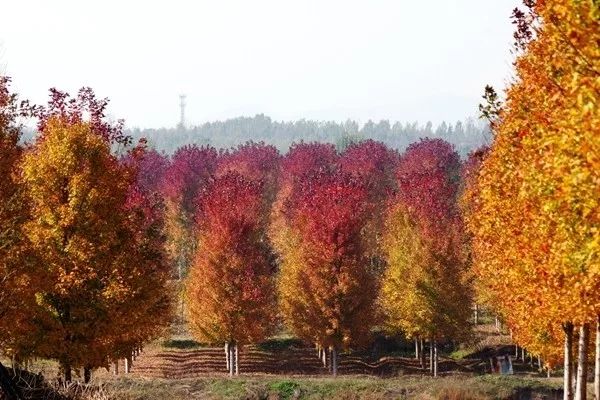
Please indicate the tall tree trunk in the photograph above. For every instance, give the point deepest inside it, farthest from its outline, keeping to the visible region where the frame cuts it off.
(334, 361)
(417, 347)
(435, 358)
(231, 358)
(523, 355)
(582, 365)
(227, 355)
(516, 351)
(422, 347)
(128, 364)
(237, 359)
(324, 356)
(597, 361)
(116, 367)
(87, 374)
(476, 314)
(431, 355)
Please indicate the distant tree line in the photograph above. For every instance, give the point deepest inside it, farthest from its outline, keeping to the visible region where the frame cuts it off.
(464, 135)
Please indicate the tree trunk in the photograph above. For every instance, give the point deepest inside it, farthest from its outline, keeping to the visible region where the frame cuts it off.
(87, 374)
(582, 365)
(423, 360)
(237, 359)
(431, 355)
(416, 348)
(435, 358)
(227, 355)
(497, 324)
(324, 356)
(334, 361)
(597, 361)
(128, 364)
(523, 357)
(516, 351)
(231, 358)
(476, 314)
(116, 367)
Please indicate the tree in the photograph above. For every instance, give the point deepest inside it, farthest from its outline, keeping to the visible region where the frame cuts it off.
(151, 168)
(538, 188)
(375, 165)
(230, 288)
(257, 162)
(469, 202)
(98, 257)
(17, 283)
(146, 309)
(302, 160)
(426, 291)
(76, 191)
(190, 171)
(327, 290)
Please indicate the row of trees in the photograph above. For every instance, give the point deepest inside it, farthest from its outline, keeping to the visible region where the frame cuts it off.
(534, 208)
(83, 272)
(316, 239)
(94, 230)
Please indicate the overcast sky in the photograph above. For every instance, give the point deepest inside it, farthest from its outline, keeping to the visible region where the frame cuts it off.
(401, 60)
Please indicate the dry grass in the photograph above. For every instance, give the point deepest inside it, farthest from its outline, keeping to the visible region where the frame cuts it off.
(347, 387)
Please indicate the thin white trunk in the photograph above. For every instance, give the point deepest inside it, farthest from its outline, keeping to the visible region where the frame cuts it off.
(416, 347)
(116, 367)
(324, 356)
(581, 388)
(476, 314)
(516, 351)
(523, 356)
(597, 361)
(227, 355)
(435, 358)
(231, 359)
(128, 364)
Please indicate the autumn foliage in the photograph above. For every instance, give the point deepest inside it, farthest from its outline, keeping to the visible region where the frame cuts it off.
(426, 291)
(230, 287)
(536, 222)
(328, 245)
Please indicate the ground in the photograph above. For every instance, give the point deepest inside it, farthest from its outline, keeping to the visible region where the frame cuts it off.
(285, 368)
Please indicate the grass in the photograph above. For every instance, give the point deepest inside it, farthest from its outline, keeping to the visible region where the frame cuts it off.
(346, 387)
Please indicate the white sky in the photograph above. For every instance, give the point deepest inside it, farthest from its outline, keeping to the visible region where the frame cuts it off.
(317, 59)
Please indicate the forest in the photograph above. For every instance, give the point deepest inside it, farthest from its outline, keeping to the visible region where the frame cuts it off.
(465, 135)
(244, 229)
